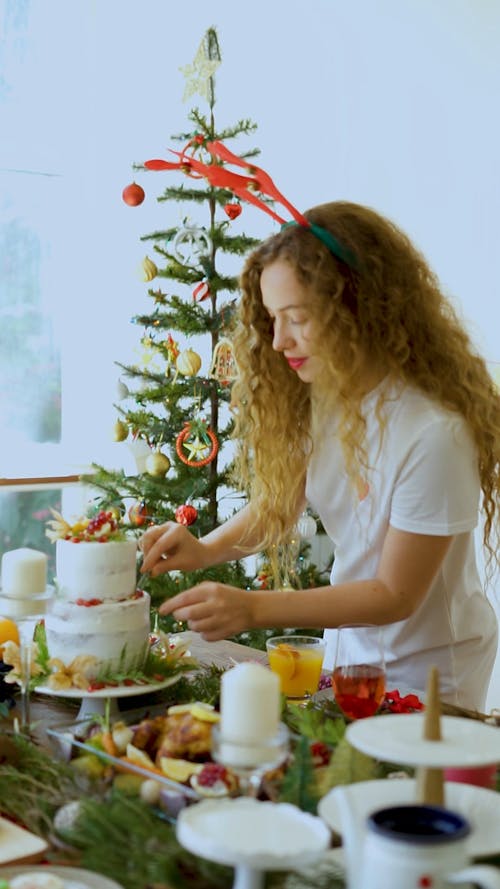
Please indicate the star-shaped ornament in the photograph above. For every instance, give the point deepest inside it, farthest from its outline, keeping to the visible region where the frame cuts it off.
(196, 448)
(198, 74)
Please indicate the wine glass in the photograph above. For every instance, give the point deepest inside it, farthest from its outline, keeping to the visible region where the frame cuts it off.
(358, 679)
(250, 759)
(26, 627)
(26, 612)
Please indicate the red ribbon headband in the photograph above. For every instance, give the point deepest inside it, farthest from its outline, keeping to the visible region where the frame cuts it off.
(245, 187)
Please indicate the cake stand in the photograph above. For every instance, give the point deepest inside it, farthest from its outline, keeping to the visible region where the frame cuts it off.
(26, 612)
(95, 703)
(252, 836)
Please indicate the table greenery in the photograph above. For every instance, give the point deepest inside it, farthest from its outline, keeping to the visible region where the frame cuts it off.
(106, 820)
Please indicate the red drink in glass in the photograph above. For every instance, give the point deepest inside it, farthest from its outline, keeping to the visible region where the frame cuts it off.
(359, 689)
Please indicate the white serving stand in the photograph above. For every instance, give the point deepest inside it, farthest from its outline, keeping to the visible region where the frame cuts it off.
(480, 806)
(95, 703)
(252, 836)
(398, 738)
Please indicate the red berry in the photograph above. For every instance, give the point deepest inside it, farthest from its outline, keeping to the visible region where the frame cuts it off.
(211, 773)
(320, 753)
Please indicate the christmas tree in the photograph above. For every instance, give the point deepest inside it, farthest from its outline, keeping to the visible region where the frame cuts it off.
(183, 418)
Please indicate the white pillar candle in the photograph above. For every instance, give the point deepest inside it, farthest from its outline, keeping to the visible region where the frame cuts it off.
(249, 703)
(24, 573)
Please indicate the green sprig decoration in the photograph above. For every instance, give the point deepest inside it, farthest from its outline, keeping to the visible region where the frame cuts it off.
(33, 785)
(299, 783)
(103, 830)
(317, 723)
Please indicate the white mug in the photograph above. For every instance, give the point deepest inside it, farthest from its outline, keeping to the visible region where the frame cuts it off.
(420, 847)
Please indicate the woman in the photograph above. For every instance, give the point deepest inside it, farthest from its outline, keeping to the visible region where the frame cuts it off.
(360, 393)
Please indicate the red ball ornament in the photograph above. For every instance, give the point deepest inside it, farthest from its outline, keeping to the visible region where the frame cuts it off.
(232, 210)
(186, 514)
(133, 194)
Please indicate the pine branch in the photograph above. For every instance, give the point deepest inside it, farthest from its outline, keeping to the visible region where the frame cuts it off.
(103, 830)
(298, 787)
(32, 785)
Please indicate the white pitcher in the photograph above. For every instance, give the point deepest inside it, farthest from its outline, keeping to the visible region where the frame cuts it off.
(409, 847)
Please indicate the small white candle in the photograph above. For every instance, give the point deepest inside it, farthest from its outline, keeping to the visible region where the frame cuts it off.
(24, 573)
(249, 703)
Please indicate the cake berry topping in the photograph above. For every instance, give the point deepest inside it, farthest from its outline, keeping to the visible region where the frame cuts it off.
(100, 528)
(87, 603)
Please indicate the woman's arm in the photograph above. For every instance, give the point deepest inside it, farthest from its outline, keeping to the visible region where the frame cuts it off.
(171, 546)
(408, 565)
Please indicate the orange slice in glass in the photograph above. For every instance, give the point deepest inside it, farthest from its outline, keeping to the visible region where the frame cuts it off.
(289, 660)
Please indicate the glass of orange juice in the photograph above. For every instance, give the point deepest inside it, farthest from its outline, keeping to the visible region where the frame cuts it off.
(297, 660)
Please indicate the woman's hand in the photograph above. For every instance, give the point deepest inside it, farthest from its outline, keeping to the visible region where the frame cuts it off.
(212, 609)
(171, 547)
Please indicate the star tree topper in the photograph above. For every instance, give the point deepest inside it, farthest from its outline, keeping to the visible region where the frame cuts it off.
(204, 65)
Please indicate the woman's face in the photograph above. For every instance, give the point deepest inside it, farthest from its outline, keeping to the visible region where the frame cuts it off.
(287, 303)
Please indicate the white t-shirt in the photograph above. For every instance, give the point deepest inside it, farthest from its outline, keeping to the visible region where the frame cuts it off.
(423, 479)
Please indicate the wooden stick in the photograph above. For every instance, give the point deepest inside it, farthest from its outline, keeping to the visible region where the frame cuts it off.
(430, 784)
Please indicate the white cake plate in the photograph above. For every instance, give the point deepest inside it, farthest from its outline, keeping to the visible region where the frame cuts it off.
(94, 703)
(72, 877)
(481, 807)
(399, 738)
(252, 836)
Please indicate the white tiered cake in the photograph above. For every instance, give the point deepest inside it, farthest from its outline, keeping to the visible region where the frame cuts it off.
(97, 610)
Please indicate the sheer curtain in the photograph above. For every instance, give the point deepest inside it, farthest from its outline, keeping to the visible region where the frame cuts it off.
(64, 318)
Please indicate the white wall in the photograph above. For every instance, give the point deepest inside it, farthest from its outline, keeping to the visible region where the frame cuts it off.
(388, 102)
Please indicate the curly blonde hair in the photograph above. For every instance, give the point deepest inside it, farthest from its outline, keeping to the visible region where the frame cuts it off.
(388, 313)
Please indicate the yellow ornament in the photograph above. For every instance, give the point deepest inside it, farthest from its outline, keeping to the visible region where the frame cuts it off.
(157, 464)
(188, 363)
(197, 448)
(120, 431)
(149, 269)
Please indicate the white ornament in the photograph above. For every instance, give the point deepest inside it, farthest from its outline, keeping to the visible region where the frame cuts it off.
(189, 243)
(306, 526)
(122, 390)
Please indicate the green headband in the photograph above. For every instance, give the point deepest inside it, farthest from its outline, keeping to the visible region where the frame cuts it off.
(334, 246)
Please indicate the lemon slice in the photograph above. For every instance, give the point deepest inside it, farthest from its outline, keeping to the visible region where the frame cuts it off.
(204, 712)
(179, 769)
(139, 757)
(178, 709)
